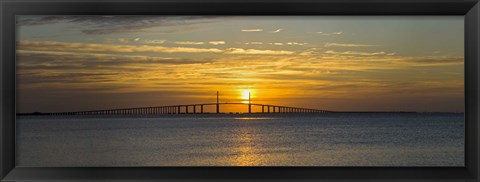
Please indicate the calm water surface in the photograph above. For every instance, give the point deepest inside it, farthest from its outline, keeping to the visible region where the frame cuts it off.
(340, 139)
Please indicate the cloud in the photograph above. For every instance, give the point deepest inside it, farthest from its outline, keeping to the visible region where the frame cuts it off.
(253, 43)
(134, 40)
(252, 30)
(95, 24)
(288, 43)
(328, 34)
(278, 30)
(297, 43)
(255, 51)
(217, 42)
(123, 40)
(81, 47)
(189, 43)
(356, 53)
(154, 41)
(277, 43)
(52, 59)
(330, 44)
(199, 43)
(96, 48)
(310, 52)
(49, 69)
(307, 53)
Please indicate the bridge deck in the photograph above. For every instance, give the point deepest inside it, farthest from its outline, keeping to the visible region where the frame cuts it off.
(191, 109)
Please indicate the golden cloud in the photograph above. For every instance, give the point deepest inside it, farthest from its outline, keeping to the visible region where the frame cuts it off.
(82, 47)
(95, 48)
(256, 51)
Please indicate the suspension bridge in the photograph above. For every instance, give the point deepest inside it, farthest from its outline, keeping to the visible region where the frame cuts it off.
(193, 109)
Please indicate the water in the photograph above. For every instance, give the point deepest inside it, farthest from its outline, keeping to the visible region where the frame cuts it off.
(340, 139)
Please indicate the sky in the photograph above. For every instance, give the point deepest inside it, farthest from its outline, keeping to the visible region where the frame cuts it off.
(339, 63)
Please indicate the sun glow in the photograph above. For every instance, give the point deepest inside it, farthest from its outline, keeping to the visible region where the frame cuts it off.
(246, 95)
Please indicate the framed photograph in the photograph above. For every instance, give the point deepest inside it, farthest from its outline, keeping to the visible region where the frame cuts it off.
(240, 90)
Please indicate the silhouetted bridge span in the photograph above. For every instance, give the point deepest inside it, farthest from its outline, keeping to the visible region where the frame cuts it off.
(191, 109)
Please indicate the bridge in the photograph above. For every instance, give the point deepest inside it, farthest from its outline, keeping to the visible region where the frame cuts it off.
(192, 109)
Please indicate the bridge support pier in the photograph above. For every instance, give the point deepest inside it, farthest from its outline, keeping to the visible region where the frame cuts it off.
(201, 109)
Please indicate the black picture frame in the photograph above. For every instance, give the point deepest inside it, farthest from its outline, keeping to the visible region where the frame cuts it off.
(470, 9)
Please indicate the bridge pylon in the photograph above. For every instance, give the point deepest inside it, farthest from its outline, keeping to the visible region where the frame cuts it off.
(249, 104)
(218, 104)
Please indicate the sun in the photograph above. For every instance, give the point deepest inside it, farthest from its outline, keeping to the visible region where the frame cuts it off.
(245, 94)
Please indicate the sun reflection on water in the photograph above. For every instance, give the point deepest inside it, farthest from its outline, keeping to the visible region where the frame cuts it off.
(247, 151)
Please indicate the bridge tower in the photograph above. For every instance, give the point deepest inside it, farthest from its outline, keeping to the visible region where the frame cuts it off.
(249, 104)
(218, 105)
